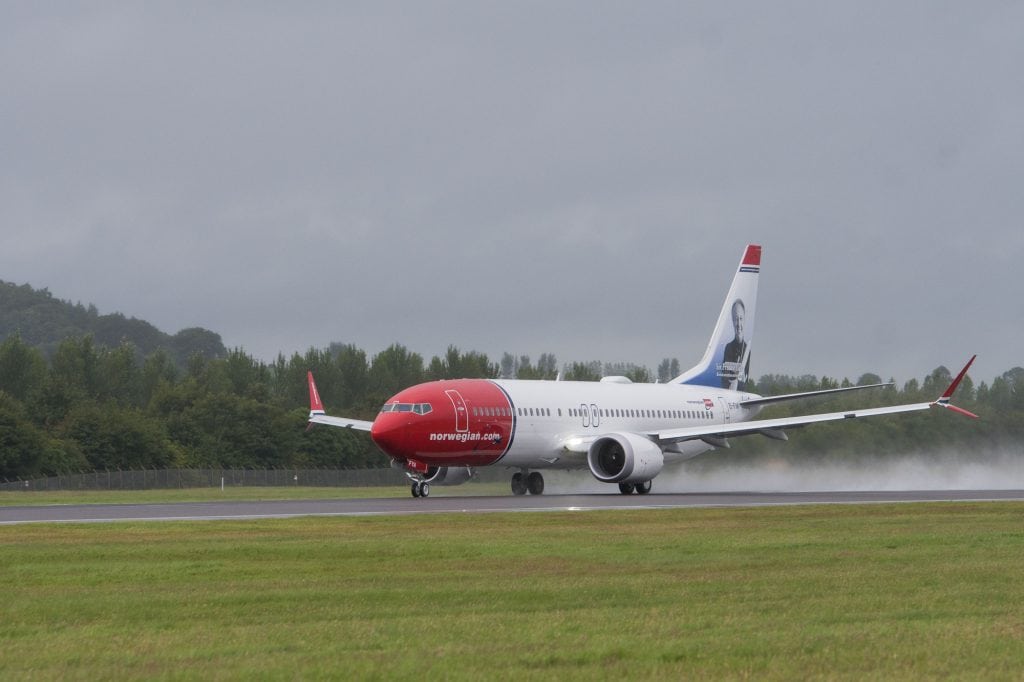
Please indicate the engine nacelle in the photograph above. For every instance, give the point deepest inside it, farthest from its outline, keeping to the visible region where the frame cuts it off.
(624, 458)
(448, 475)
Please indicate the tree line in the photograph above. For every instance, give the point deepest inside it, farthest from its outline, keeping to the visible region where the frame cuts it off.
(86, 406)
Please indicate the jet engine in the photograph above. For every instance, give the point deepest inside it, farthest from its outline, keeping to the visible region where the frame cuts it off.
(624, 458)
(448, 475)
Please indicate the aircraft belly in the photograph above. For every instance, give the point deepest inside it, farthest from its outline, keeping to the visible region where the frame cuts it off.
(535, 450)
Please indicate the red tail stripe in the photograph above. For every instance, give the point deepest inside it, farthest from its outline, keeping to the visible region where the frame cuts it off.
(752, 256)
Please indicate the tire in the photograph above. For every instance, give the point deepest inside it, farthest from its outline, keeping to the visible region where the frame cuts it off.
(535, 483)
(424, 490)
(626, 488)
(643, 487)
(518, 484)
(415, 489)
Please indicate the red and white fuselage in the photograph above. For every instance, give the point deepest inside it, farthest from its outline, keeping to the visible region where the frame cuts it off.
(542, 424)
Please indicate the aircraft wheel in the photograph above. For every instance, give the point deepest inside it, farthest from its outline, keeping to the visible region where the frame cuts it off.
(535, 483)
(626, 488)
(518, 484)
(643, 487)
(415, 489)
(424, 490)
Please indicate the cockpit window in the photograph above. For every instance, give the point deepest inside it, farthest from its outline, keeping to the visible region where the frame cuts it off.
(416, 408)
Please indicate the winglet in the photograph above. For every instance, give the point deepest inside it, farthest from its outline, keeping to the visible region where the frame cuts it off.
(315, 405)
(943, 400)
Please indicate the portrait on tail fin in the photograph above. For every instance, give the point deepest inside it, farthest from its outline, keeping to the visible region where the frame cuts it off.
(735, 365)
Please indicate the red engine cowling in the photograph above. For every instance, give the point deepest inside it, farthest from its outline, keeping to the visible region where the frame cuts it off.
(448, 475)
(624, 458)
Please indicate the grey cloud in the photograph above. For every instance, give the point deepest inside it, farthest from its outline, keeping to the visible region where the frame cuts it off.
(577, 178)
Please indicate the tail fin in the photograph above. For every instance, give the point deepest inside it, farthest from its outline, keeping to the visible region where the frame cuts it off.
(726, 362)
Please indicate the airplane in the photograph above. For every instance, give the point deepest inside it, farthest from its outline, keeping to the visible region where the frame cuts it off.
(439, 432)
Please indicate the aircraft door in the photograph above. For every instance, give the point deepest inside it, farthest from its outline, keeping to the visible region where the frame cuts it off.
(723, 406)
(461, 413)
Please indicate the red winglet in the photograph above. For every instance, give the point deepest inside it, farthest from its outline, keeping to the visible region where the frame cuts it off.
(314, 396)
(959, 377)
(961, 411)
(943, 400)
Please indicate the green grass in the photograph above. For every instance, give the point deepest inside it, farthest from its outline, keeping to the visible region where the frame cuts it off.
(39, 498)
(837, 592)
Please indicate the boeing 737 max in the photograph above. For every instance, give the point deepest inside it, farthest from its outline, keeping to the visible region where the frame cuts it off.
(623, 432)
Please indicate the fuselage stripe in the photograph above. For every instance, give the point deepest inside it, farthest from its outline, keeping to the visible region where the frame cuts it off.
(515, 420)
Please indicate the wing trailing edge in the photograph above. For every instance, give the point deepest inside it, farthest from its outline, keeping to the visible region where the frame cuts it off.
(774, 428)
(767, 400)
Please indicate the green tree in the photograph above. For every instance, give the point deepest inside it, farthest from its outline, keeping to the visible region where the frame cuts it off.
(118, 438)
(22, 368)
(118, 376)
(158, 371)
(458, 365)
(668, 369)
(583, 371)
(75, 366)
(393, 369)
(20, 441)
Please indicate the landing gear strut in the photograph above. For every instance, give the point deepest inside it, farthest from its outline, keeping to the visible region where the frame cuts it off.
(527, 482)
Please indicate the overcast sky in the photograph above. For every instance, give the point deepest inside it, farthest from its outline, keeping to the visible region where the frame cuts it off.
(577, 178)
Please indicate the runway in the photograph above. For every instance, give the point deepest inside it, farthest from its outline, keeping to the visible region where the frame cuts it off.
(209, 511)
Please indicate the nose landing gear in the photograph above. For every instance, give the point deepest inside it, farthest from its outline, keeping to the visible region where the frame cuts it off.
(420, 489)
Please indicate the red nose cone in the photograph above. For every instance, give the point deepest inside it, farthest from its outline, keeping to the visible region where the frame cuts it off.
(390, 433)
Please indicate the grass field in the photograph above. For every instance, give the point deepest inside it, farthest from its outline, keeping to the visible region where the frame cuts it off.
(854, 592)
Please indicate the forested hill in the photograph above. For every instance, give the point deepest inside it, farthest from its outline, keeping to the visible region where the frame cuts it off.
(43, 321)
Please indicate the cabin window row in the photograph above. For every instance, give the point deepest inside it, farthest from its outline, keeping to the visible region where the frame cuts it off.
(492, 411)
(617, 413)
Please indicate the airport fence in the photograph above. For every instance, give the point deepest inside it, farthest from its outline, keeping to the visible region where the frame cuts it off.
(156, 479)
(151, 479)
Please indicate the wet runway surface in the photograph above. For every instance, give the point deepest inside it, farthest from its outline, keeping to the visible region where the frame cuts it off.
(197, 511)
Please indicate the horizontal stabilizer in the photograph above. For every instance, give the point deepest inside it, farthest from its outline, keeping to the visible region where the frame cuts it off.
(317, 415)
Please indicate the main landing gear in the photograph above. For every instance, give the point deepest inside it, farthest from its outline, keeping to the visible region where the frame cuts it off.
(527, 482)
(641, 488)
(420, 489)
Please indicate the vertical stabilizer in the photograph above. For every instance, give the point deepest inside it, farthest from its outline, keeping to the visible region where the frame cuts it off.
(726, 362)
